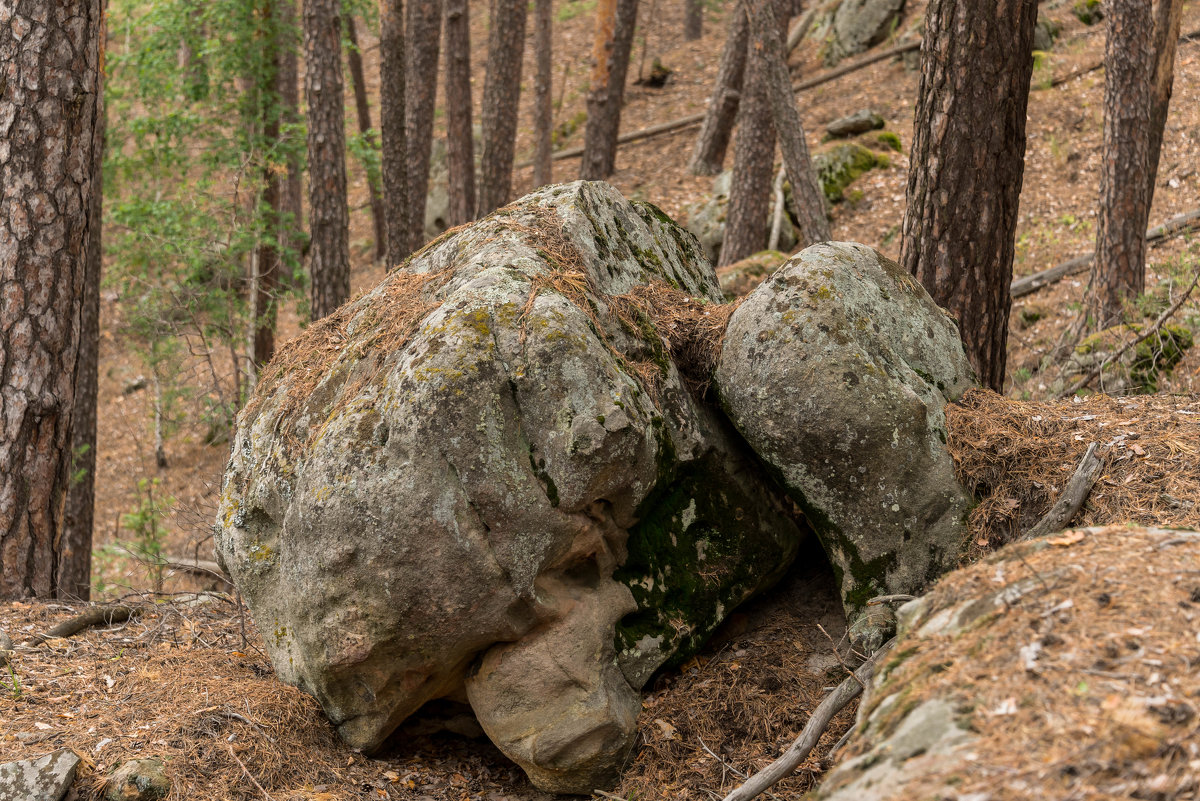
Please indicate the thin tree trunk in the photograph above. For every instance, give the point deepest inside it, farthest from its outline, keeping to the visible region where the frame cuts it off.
(51, 133)
(424, 38)
(693, 20)
(753, 166)
(362, 109)
(75, 576)
(608, 91)
(501, 92)
(1167, 14)
(291, 206)
(329, 257)
(708, 156)
(391, 123)
(1119, 271)
(460, 134)
(964, 179)
(808, 201)
(266, 266)
(543, 109)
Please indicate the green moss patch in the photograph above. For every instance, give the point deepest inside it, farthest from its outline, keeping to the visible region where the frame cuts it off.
(842, 165)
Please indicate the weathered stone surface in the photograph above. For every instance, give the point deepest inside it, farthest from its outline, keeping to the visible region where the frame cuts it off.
(837, 371)
(1026, 675)
(523, 485)
(841, 165)
(853, 124)
(861, 24)
(46, 778)
(138, 780)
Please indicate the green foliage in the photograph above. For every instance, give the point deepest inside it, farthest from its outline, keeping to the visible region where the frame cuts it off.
(890, 140)
(196, 136)
(13, 685)
(1089, 12)
(144, 521)
(574, 8)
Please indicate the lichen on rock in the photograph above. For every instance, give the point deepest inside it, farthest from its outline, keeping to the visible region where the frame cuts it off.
(437, 488)
(837, 371)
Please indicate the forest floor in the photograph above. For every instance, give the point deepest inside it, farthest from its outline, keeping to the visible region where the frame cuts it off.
(765, 658)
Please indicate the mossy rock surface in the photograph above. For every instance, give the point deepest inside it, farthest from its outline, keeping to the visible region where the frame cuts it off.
(480, 476)
(1139, 368)
(840, 166)
(837, 371)
(742, 277)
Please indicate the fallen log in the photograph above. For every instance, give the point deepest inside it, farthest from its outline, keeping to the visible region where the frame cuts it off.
(1078, 487)
(95, 616)
(1032, 283)
(696, 119)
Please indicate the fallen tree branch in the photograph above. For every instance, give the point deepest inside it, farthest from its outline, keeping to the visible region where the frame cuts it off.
(1079, 485)
(818, 722)
(246, 771)
(95, 616)
(200, 567)
(1149, 332)
(696, 119)
(1032, 283)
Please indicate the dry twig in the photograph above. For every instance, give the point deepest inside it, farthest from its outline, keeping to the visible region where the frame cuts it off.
(799, 750)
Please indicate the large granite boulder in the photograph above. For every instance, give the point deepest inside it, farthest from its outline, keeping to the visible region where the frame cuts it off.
(862, 24)
(836, 370)
(488, 476)
(1057, 668)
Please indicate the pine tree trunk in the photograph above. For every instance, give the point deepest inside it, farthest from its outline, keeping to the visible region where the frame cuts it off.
(288, 89)
(1119, 270)
(753, 166)
(460, 135)
(49, 136)
(807, 199)
(329, 256)
(543, 108)
(1167, 14)
(424, 38)
(501, 93)
(708, 156)
(964, 179)
(392, 126)
(362, 109)
(75, 577)
(613, 45)
(267, 264)
(693, 20)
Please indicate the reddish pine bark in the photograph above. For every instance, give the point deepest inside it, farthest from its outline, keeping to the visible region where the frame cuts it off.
(424, 38)
(708, 156)
(964, 178)
(49, 137)
(612, 49)
(501, 92)
(460, 137)
(391, 123)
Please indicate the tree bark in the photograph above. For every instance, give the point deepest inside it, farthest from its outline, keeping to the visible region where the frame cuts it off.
(1167, 14)
(460, 134)
(543, 108)
(501, 93)
(424, 37)
(608, 90)
(965, 177)
(708, 156)
(753, 165)
(268, 263)
(329, 256)
(288, 89)
(693, 20)
(391, 123)
(75, 577)
(362, 108)
(50, 108)
(1119, 271)
(808, 201)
